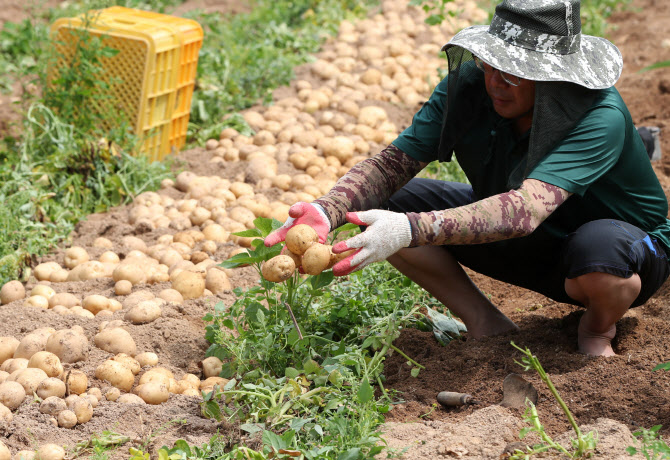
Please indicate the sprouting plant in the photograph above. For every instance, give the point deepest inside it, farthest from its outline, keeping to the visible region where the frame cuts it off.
(99, 447)
(437, 10)
(652, 446)
(583, 445)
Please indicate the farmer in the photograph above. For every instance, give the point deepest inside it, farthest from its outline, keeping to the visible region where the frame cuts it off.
(563, 199)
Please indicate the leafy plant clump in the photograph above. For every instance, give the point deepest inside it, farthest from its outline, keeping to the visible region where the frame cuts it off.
(318, 394)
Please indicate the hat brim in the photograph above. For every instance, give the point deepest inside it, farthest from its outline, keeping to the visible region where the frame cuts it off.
(597, 65)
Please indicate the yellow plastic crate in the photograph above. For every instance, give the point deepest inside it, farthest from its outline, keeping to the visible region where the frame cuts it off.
(191, 35)
(149, 65)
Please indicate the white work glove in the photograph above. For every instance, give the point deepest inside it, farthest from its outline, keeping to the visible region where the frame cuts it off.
(311, 214)
(387, 233)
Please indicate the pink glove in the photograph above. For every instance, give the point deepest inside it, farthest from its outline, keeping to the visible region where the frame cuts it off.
(311, 214)
(387, 233)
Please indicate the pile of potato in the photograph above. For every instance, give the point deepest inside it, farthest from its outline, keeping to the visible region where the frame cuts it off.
(302, 252)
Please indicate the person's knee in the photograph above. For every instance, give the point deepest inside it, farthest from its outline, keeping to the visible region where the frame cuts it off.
(603, 288)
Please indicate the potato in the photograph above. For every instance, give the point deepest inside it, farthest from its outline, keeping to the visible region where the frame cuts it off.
(75, 381)
(95, 303)
(128, 361)
(83, 409)
(130, 272)
(278, 269)
(36, 301)
(11, 291)
(154, 393)
(64, 298)
(6, 416)
(3, 376)
(144, 312)
(31, 378)
(14, 364)
(190, 285)
(217, 281)
(50, 452)
(30, 344)
(315, 259)
(91, 399)
(75, 256)
(43, 290)
(67, 419)
(152, 376)
(25, 455)
(211, 366)
(137, 297)
(48, 362)
(116, 374)
(43, 271)
(8, 346)
(12, 394)
(109, 257)
(208, 384)
(52, 405)
(116, 340)
(49, 387)
(147, 359)
(95, 392)
(300, 237)
(69, 345)
(5, 453)
(112, 394)
(130, 398)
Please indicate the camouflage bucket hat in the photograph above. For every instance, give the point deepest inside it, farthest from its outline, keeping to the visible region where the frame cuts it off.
(541, 40)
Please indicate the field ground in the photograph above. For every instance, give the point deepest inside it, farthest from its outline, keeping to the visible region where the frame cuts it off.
(615, 396)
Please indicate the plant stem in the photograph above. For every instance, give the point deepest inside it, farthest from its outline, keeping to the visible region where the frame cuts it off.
(295, 323)
(407, 357)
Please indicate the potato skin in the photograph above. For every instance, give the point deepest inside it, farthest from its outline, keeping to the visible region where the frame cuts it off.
(278, 269)
(316, 259)
(300, 237)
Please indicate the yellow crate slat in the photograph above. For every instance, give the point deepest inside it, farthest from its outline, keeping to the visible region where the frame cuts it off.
(191, 35)
(156, 66)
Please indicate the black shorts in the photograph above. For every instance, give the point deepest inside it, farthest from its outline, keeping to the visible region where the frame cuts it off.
(541, 261)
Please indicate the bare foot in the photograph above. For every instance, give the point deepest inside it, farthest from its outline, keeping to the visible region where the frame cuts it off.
(595, 344)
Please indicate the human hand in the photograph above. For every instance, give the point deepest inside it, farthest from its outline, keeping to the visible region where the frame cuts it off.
(387, 233)
(310, 214)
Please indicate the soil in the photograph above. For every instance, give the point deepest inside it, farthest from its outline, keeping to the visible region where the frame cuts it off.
(614, 396)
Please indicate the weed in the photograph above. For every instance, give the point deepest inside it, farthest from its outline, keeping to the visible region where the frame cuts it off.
(652, 446)
(583, 445)
(99, 447)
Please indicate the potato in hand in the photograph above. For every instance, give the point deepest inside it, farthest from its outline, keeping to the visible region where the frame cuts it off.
(278, 269)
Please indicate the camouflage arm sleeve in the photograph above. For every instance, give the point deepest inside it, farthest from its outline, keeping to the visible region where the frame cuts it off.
(507, 215)
(369, 184)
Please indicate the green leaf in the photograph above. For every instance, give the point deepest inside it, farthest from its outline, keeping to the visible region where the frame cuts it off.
(211, 409)
(351, 454)
(662, 366)
(291, 372)
(365, 392)
(657, 65)
(250, 233)
(251, 428)
(238, 260)
(266, 226)
(434, 19)
(311, 367)
(321, 280)
(415, 372)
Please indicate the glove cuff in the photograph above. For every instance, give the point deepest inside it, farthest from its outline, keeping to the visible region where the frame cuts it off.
(323, 214)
